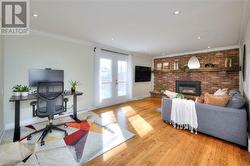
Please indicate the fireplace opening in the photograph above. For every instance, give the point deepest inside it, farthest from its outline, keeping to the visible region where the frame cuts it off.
(192, 88)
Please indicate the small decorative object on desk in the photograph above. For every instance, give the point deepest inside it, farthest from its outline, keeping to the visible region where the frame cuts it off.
(17, 89)
(25, 91)
(162, 89)
(74, 85)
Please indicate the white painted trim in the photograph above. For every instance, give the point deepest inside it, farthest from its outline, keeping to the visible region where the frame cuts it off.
(140, 98)
(199, 51)
(78, 41)
(244, 21)
(38, 120)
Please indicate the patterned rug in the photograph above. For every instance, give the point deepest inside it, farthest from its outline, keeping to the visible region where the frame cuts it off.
(86, 140)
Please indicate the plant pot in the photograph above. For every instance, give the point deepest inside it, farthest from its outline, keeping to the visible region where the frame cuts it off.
(24, 94)
(73, 90)
(17, 94)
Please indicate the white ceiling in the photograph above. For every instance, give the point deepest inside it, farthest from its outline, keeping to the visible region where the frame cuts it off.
(147, 27)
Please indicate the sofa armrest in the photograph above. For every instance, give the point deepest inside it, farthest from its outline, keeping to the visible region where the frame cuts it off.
(226, 123)
(166, 109)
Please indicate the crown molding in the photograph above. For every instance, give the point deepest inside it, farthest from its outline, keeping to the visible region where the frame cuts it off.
(63, 38)
(199, 51)
(77, 41)
(244, 21)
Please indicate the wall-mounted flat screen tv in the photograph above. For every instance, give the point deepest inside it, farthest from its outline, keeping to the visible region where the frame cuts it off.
(142, 74)
(44, 75)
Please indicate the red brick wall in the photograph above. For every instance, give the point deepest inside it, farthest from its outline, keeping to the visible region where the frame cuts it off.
(210, 81)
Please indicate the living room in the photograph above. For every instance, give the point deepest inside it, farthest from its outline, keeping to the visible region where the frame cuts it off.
(125, 73)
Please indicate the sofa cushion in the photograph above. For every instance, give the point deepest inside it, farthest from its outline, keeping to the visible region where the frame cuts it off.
(170, 94)
(199, 99)
(236, 99)
(221, 92)
(216, 100)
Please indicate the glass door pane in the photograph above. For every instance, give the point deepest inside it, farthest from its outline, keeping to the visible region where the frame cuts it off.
(122, 78)
(105, 78)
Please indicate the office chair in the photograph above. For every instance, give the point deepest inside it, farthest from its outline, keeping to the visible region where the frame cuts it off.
(50, 102)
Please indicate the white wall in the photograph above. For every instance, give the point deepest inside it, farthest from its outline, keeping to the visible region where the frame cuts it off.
(246, 83)
(141, 89)
(1, 86)
(43, 51)
(38, 51)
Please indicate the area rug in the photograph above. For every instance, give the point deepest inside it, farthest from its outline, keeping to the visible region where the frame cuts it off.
(86, 140)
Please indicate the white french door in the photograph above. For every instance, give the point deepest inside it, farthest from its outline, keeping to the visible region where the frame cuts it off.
(111, 78)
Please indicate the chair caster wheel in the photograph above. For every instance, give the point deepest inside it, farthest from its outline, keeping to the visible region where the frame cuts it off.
(42, 143)
(65, 126)
(29, 137)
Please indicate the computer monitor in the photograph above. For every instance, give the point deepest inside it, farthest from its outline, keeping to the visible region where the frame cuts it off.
(44, 75)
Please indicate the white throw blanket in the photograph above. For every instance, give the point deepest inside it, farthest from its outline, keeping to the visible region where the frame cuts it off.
(183, 114)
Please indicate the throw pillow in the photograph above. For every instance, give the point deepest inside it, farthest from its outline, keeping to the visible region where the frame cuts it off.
(200, 99)
(170, 94)
(216, 100)
(236, 99)
(221, 92)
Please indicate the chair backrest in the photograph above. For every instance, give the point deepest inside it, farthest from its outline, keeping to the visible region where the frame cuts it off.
(50, 99)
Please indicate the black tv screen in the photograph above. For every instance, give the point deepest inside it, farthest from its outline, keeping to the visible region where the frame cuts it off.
(44, 75)
(142, 74)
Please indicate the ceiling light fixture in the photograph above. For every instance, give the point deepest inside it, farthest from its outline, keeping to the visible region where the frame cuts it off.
(112, 39)
(35, 15)
(199, 37)
(177, 12)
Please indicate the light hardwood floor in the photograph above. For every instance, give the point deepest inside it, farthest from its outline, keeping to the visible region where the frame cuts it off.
(157, 143)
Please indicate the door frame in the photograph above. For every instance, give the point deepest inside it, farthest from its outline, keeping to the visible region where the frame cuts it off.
(114, 99)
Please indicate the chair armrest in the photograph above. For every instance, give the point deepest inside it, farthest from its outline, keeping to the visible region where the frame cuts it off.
(33, 104)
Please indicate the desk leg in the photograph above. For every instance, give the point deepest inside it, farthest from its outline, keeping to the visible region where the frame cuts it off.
(74, 116)
(17, 122)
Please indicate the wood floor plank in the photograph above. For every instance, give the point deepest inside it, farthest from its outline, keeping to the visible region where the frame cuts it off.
(158, 143)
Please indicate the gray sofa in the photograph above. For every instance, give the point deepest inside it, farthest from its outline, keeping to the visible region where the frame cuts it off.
(222, 122)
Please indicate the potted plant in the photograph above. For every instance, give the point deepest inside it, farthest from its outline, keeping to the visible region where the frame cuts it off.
(17, 89)
(180, 96)
(74, 85)
(162, 89)
(25, 91)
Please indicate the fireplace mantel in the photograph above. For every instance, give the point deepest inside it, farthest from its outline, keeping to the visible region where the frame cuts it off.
(228, 70)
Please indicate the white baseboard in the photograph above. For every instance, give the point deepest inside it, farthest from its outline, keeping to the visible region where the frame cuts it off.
(140, 97)
(10, 126)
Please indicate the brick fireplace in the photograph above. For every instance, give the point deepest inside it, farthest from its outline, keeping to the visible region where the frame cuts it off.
(210, 81)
